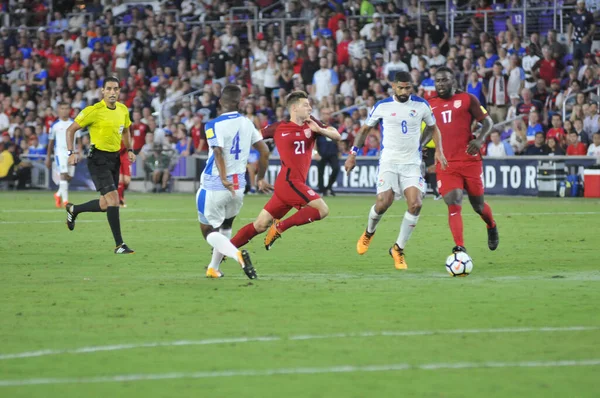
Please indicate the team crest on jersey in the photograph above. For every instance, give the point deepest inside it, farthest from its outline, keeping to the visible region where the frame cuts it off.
(307, 133)
(121, 128)
(412, 113)
(311, 192)
(457, 103)
(380, 182)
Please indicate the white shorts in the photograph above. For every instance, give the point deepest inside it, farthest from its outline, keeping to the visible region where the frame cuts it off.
(62, 164)
(214, 207)
(398, 177)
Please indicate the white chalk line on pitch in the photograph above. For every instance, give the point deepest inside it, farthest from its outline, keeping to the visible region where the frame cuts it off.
(238, 340)
(193, 217)
(300, 371)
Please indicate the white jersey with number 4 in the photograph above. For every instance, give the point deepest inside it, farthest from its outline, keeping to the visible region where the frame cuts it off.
(401, 128)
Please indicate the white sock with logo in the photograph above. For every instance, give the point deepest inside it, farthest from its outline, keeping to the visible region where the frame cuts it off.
(373, 220)
(409, 222)
(217, 256)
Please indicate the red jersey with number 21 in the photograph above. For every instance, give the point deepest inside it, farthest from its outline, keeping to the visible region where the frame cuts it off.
(454, 117)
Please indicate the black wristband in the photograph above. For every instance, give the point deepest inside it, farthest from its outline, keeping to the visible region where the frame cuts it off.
(130, 150)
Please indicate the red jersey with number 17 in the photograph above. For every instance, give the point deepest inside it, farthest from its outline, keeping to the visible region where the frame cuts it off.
(454, 117)
(295, 144)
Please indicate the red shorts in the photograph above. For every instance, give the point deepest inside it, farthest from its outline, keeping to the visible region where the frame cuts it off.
(460, 175)
(288, 195)
(125, 165)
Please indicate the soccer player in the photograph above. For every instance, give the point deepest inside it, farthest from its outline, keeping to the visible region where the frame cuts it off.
(108, 123)
(219, 199)
(58, 139)
(295, 140)
(400, 162)
(455, 112)
(124, 174)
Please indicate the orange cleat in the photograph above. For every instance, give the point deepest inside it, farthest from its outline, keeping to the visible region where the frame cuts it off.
(398, 256)
(213, 273)
(363, 242)
(272, 235)
(57, 200)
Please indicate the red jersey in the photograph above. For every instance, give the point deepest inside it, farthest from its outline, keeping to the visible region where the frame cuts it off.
(56, 66)
(198, 134)
(577, 150)
(138, 133)
(557, 133)
(454, 117)
(295, 145)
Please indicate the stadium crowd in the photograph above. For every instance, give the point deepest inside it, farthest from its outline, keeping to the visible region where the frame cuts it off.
(344, 54)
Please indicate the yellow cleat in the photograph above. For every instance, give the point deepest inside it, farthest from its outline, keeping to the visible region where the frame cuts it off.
(398, 256)
(272, 235)
(363, 242)
(213, 273)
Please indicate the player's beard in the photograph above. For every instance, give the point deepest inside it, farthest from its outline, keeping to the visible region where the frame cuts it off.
(402, 98)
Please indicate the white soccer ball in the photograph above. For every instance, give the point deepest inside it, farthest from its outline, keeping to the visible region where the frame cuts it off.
(459, 264)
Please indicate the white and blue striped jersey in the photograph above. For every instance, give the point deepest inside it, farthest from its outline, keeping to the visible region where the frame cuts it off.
(401, 128)
(235, 134)
(58, 133)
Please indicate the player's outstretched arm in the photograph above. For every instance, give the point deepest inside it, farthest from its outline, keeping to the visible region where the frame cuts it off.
(220, 162)
(359, 141)
(71, 130)
(263, 164)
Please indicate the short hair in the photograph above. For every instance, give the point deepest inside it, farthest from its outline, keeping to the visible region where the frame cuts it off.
(109, 79)
(498, 64)
(231, 94)
(63, 103)
(541, 133)
(557, 115)
(403, 77)
(294, 97)
(444, 69)
(573, 132)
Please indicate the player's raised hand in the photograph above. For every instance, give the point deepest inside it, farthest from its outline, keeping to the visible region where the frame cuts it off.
(228, 185)
(441, 159)
(474, 146)
(350, 164)
(264, 186)
(313, 126)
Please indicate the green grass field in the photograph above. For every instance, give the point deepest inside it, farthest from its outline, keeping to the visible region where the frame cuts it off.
(321, 321)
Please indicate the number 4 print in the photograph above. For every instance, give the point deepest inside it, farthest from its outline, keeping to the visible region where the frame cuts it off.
(235, 146)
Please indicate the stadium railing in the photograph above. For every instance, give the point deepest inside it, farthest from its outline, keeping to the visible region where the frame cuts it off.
(590, 89)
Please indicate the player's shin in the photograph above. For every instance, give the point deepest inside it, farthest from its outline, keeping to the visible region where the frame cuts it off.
(244, 235)
(217, 256)
(409, 222)
(487, 216)
(303, 216)
(220, 243)
(374, 219)
(112, 214)
(121, 191)
(63, 190)
(456, 224)
(92, 206)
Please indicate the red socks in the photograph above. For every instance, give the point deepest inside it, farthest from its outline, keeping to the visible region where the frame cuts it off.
(303, 216)
(486, 215)
(244, 235)
(456, 224)
(121, 190)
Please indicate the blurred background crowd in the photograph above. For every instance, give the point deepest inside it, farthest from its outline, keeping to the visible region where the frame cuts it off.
(533, 65)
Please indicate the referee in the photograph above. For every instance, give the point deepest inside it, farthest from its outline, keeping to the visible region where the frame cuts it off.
(108, 121)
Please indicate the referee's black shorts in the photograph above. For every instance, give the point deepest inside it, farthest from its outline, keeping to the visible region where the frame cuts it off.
(430, 158)
(104, 170)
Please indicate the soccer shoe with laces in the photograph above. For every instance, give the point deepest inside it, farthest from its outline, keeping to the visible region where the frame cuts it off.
(70, 216)
(123, 249)
(213, 273)
(272, 235)
(363, 242)
(246, 263)
(493, 238)
(398, 256)
(57, 200)
(456, 249)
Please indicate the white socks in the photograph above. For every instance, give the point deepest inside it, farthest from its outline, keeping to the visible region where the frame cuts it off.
(63, 190)
(222, 244)
(217, 256)
(373, 220)
(409, 222)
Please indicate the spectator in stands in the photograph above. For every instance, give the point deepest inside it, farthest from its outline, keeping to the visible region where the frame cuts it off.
(581, 134)
(594, 148)
(581, 30)
(497, 94)
(477, 88)
(533, 126)
(576, 147)
(528, 104)
(516, 76)
(7, 164)
(554, 147)
(497, 147)
(557, 131)
(591, 122)
(436, 33)
(158, 164)
(538, 147)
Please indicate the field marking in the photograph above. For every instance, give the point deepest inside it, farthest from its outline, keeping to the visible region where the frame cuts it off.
(234, 340)
(193, 217)
(299, 371)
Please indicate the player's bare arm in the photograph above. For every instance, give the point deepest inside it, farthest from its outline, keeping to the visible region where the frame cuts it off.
(220, 162)
(481, 135)
(359, 141)
(128, 144)
(71, 130)
(263, 164)
(329, 132)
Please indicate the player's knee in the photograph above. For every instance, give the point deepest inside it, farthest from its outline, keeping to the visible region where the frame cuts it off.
(323, 211)
(261, 225)
(227, 224)
(478, 207)
(415, 207)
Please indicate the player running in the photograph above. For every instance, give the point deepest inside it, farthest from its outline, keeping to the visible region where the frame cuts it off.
(454, 112)
(295, 140)
(58, 138)
(124, 175)
(400, 161)
(222, 184)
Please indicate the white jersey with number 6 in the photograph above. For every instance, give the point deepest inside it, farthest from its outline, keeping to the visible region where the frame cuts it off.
(401, 128)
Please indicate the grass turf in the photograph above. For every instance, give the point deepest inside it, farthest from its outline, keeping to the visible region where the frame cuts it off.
(63, 290)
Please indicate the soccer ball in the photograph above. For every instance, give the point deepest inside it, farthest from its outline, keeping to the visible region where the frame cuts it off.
(459, 264)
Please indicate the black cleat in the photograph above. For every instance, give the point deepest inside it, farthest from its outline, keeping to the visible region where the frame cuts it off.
(247, 267)
(459, 249)
(123, 249)
(70, 216)
(493, 238)
(331, 192)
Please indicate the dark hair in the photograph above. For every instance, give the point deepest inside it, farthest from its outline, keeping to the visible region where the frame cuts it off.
(444, 69)
(542, 133)
(63, 103)
(231, 95)
(109, 79)
(403, 77)
(294, 97)
(498, 64)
